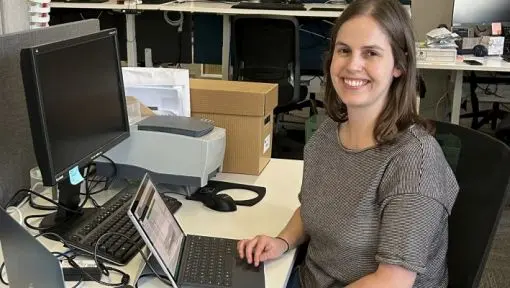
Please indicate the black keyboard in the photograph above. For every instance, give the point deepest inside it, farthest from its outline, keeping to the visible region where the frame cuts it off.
(112, 217)
(270, 6)
(210, 261)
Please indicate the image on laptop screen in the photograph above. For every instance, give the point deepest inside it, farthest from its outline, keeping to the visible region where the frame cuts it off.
(158, 223)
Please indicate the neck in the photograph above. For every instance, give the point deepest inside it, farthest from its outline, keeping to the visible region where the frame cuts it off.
(359, 129)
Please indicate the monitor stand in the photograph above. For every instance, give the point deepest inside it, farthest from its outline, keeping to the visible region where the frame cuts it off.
(63, 221)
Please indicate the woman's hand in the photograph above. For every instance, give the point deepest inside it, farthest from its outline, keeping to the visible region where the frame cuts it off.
(261, 248)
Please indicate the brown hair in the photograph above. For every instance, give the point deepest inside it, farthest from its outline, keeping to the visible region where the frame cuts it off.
(399, 111)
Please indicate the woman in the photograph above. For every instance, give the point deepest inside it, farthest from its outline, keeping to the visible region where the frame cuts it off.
(377, 190)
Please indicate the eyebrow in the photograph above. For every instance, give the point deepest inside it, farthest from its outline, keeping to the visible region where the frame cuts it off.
(374, 47)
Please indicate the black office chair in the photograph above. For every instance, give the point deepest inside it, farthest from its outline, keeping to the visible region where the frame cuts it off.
(503, 130)
(481, 200)
(266, 49)
(488, 116)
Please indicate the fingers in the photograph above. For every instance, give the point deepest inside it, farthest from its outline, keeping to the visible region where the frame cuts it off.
(261, 246)
(240, 248)
(249, 249)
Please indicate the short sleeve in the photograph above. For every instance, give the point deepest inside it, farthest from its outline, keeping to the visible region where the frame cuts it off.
(416, 196)
(410, 224)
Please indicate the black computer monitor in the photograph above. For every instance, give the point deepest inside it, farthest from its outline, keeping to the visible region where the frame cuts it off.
(77, 110)
(480, 11)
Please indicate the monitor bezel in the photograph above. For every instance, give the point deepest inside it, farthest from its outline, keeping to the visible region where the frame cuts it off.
(35, 105)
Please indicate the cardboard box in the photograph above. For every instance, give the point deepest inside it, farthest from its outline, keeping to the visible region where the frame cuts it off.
(245, 110)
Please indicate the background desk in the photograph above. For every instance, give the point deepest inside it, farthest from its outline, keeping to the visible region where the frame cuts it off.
(267, 217)
(490, 64)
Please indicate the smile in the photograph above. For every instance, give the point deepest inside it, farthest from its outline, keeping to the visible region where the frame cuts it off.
(355, 83)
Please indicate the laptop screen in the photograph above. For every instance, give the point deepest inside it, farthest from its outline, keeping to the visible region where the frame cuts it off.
(158, 223)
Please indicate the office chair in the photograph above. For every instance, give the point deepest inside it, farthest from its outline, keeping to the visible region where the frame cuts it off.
(266, 49)
(503, 130)
(488, 116)
(481, 200)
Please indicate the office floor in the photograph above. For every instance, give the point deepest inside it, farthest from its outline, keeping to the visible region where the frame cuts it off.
(289, 144)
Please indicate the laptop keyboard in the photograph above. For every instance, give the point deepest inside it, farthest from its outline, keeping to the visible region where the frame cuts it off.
(210, 261)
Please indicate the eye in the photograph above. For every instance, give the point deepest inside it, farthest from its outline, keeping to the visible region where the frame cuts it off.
(371, 53)
(342, 51)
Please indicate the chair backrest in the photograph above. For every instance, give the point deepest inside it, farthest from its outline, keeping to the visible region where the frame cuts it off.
(481, 165)
(266, 49)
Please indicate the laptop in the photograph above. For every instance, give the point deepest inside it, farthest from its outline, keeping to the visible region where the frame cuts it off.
(188, 260)
(28, 262)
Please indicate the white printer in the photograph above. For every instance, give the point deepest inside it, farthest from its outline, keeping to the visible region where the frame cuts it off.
(180, 153)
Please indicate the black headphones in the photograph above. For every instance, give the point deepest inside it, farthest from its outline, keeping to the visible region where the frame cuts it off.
(208, 193)
(480, 51)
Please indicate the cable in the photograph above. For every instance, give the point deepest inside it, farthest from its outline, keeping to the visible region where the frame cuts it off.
(114, 174)
(125, 277)
(43, 197)
(176, 23)
(437, 105)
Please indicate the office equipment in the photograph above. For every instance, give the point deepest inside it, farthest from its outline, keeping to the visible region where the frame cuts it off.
(209, 195)
(181, 162)
(482, 190)
(472, 62)
(112, 217)
(326, 9)
(480, 51)
(269, 6)
(28, 262)
(480, 12)
(68, 128)
(16, 149)
(189, 260)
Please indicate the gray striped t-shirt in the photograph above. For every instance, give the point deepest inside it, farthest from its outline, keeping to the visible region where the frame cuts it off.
(387, 204)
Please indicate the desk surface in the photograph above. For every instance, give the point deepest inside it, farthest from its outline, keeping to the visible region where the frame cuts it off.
(213, 7)
(267, 217)
(491, 64)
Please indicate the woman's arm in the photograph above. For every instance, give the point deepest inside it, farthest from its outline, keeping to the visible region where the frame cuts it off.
(294, 232)
(386, 276)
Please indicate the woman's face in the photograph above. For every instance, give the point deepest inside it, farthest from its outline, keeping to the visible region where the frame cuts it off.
(362, 68)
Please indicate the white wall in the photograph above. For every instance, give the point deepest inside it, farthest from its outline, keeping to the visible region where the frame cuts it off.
(13, 15)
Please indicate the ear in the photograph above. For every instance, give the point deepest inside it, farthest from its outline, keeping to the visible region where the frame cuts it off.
(397, 72)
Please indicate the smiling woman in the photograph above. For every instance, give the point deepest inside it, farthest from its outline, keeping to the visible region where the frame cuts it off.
(376, 191)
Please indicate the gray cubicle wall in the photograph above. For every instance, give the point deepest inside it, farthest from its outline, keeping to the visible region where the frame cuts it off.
(16, 149)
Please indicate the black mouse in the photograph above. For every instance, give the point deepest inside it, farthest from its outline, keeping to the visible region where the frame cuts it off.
(221, 202)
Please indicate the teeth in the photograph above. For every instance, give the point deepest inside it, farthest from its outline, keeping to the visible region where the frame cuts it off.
(355, 83)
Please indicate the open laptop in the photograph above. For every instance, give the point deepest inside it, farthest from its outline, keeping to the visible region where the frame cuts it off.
(28, 262)
(188, 260)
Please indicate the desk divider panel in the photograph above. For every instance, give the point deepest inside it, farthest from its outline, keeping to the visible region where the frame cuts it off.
(17, 155)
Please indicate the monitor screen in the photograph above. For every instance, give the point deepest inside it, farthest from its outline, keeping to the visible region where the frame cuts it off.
(80, 97)
(480, 11)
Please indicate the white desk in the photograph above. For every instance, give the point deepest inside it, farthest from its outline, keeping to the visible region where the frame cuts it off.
(267, 217)
(490, 64)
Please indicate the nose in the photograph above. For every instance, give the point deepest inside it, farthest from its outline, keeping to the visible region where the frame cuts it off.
(356, 63)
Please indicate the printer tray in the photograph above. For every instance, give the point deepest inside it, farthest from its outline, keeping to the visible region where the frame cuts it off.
(176, 125)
